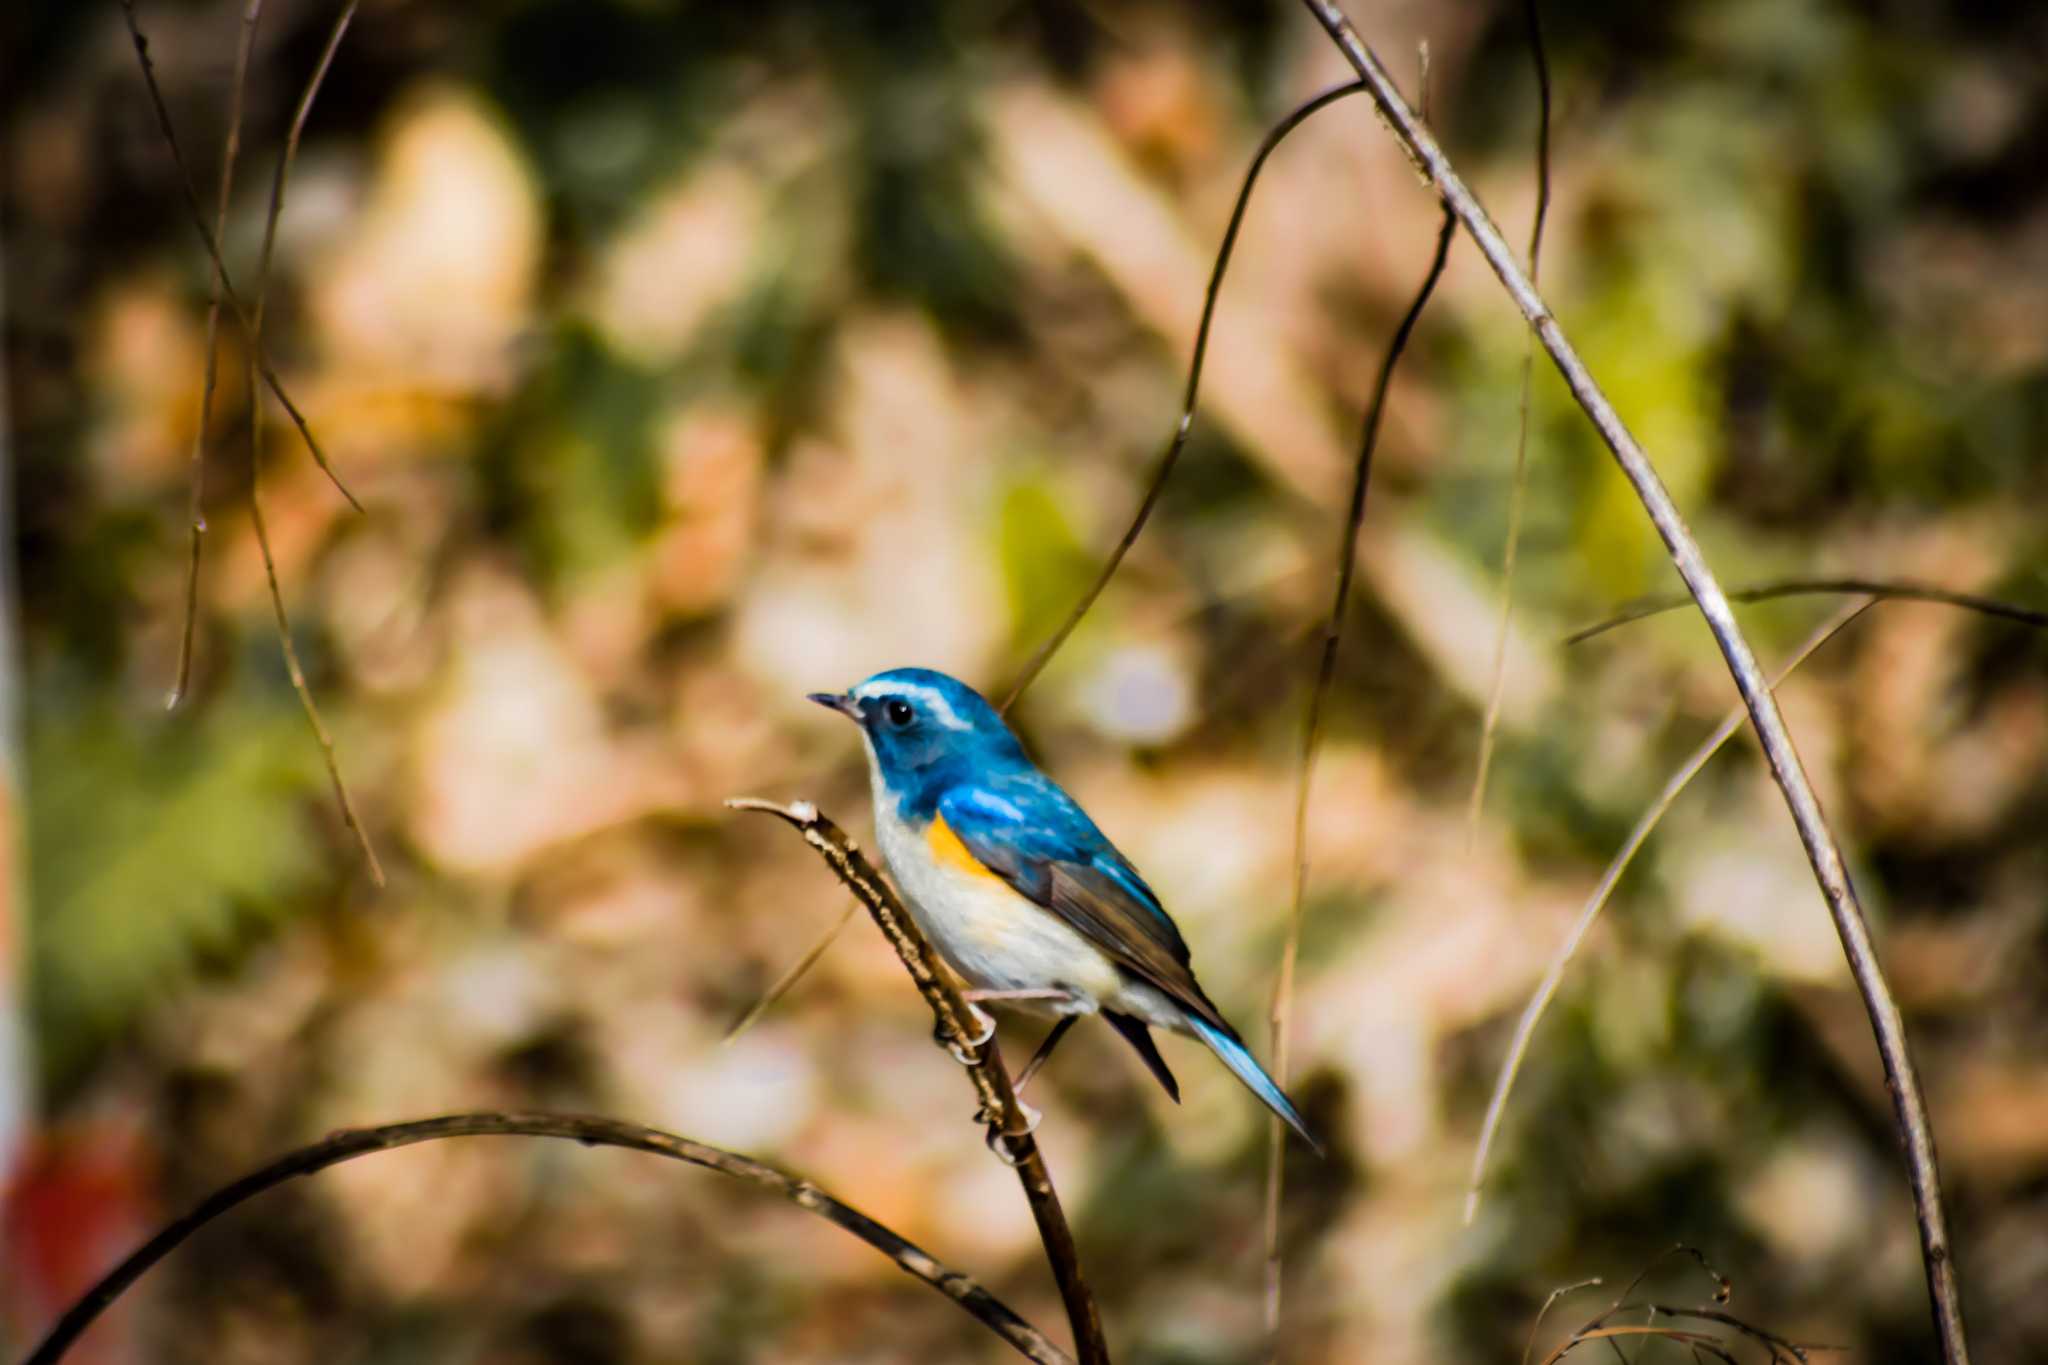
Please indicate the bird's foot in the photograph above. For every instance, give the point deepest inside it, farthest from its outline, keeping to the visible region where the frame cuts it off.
(965, 1052)
(999, 1139)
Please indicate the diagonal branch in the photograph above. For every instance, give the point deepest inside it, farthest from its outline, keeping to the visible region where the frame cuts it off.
(1901, 589)
(792, 974)
(1822, 851)
(243, 316)
(590, 1132)
(293, 668)
(251, 322)
(1009, 1129)
(1646, 824)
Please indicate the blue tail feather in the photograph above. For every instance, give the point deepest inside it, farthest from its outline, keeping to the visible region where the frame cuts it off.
(1235, 1055)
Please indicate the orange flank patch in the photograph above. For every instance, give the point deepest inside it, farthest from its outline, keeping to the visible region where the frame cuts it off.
(949, 852)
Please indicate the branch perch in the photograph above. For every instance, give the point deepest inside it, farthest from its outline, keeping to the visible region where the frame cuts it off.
(591, 1132)
(1009, 1131)
(1830, 871)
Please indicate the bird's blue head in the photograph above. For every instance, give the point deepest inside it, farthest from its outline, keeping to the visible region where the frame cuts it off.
(925, 732)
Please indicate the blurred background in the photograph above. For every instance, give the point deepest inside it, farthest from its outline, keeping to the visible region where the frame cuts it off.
(688, 358)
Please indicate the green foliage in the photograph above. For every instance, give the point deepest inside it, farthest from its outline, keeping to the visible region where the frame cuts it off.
(154, 847)
(572, 463)
(1045, 567)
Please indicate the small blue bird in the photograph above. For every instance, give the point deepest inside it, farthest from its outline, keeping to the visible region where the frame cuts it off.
(1016, 887)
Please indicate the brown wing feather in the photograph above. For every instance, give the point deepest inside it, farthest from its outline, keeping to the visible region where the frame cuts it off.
(1103, 913)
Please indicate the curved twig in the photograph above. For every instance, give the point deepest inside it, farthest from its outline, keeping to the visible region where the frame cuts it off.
(1274, 136)
(1311, 740)
(1699, 1341)
(1902, 589)
(1646, 824)
(590, 1132)
(1536, 1326)
(1830, 870)
(1009, 1129)
(1782, 1350)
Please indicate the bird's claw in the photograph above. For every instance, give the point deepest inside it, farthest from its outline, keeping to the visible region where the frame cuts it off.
(999, 1139)
(967, 1053)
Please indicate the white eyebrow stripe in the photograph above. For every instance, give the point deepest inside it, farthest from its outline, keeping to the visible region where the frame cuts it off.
(933, 700)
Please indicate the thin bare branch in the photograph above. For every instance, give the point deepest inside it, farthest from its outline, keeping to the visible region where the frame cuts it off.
(1724, 1288)
(1553, 976)
(1534, 1327)
(304, 692)
(1823, 852)
(196, 515)
(590, 1132)
(300, 113)
(1780, 1348)
(1901, 589)
(297, 673)
(1698, 1340)
(1178, 441)
(794, 974)
(1311, 740)
(1519, 487)
(243, 316)
(1009, 1127)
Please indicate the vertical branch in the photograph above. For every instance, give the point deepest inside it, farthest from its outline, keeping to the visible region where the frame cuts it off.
(1518, 489)
(1311, 739)
(1822, 851)
(1009, 1128)
(196, 515)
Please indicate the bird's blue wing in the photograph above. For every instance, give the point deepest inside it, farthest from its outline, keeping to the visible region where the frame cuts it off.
(1035, 837)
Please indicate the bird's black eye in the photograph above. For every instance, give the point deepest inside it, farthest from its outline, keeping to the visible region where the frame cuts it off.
(899, 711)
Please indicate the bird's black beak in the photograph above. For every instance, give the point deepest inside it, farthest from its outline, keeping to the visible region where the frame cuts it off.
(845, 706)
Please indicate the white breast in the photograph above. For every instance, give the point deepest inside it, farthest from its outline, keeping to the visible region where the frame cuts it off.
(993, 937)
